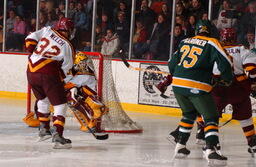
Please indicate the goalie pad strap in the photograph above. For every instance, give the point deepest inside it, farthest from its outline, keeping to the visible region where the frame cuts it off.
(88, 91)
(69, 85)
(44, 119)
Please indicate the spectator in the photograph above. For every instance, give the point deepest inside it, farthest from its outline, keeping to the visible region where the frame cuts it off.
(250, 38)
(181, 20)
(247, 20)
(196, 9)
(159, 39)
(99, 37)
(204, 16)
(15, 39)
(1, 30)
(122, 29)
(43, 6)
(166, 13)
(61, 7)
(89, 7)
(42, 19)
(156, 6)
(71, 9)
(215, 10)
(191, 26)
(61, 15)
(107, 7)
(178, 36)
(139, 40)
(242, 6)
(110, 44)
(122, 8)
(10, 21)
(105, 23)
(31, 26)
(81, 25)
(227, 16)
(87, 46)
(146, 14)
(51, 19)
(180, 10)
(49, 6)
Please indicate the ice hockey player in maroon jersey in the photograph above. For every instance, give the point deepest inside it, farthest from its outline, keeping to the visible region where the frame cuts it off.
(50, 60)
(238, 93)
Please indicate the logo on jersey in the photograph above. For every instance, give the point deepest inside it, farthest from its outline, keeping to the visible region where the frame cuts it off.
(150, 79)
(194, 91)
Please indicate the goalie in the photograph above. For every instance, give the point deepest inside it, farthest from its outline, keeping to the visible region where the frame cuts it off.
(82, 96)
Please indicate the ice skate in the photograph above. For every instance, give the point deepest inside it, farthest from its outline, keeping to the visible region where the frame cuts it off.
(252, 146)
(200, 140)
(173, 136)
(60, 142)
(214, 157)
(181, 151)
(44, 134)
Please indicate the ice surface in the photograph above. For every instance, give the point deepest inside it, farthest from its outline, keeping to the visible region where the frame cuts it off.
(19, 146)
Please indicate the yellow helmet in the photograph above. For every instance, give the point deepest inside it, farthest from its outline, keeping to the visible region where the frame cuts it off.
(80, 56)
(83, 63)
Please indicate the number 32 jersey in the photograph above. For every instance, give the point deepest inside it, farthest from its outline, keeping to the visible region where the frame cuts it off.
(192, 64)
(52, 53)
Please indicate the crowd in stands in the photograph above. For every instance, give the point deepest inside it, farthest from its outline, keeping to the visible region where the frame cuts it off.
(152, 30)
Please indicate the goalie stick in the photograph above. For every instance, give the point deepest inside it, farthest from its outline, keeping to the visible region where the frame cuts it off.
(77, 114)
(127, 64)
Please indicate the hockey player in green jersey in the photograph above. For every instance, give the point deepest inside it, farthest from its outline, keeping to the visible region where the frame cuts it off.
(191, 69)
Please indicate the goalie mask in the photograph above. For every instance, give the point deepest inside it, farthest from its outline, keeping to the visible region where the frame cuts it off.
(82, 63)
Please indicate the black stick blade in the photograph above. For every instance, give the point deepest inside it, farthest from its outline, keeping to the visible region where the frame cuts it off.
(101, 137)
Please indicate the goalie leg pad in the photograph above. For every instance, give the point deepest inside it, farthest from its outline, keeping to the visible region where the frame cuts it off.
(83, 119)
(98, 109)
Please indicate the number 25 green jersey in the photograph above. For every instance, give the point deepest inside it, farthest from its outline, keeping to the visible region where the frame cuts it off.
(192, 64)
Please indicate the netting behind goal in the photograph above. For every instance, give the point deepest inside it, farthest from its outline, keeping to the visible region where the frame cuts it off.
(116, 120)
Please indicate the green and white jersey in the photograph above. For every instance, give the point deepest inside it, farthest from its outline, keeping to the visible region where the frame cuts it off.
(192, 64)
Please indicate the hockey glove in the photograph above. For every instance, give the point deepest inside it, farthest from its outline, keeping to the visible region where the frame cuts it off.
(253, 93)
(217, 81)
(162, 86)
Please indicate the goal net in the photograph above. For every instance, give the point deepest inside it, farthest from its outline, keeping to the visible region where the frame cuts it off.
(116, 120)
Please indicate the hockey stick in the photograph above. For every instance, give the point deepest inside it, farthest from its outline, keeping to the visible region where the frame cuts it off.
(98, 137)
(77, 115)
(127, 64)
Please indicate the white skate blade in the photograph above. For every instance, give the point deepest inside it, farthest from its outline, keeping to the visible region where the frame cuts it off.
(46, 137)
(200, 142)
(171, 139)
(180, 156)
(214, 162)
(58, 145)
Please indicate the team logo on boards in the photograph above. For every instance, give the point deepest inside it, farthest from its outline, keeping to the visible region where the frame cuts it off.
(150, 79)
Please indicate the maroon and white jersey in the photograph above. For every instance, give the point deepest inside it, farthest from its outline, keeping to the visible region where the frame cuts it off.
(244, 61)
(51, 52)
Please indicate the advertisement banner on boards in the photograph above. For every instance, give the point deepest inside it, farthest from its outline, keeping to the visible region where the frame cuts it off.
(150, 95)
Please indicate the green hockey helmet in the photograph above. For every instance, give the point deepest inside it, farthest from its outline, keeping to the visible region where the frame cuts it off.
(203, 27)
